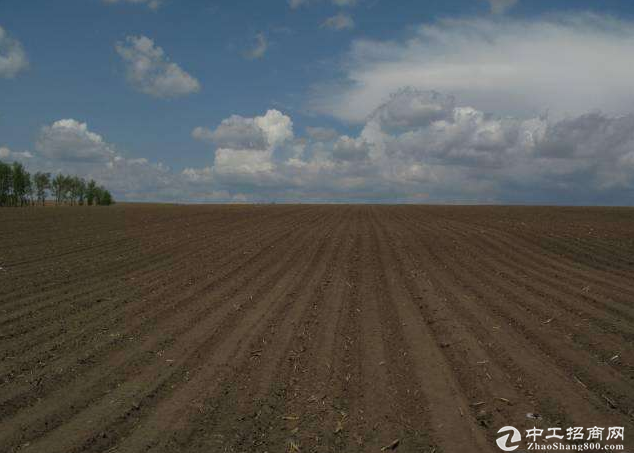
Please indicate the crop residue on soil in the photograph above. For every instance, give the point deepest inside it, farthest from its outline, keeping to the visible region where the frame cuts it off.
(311, 328)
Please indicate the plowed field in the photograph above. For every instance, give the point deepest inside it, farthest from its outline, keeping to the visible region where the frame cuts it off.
(311, 328)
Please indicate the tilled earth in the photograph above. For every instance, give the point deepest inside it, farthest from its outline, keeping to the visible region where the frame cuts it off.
(311, 328)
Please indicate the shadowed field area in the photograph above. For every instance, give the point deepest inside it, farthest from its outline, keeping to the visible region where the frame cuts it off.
(311, 328)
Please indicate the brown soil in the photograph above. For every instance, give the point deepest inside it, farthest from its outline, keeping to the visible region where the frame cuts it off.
(311, 328)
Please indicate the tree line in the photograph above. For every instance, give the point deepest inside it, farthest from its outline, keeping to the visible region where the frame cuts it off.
(19, 188)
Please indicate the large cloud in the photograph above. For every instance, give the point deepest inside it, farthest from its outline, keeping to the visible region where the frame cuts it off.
(71, 140)
(576, 159)
(150, 71)
(246, 149)
(416, 146)
(523, 67)
(12, 56)
(425, 145)
(238, 132)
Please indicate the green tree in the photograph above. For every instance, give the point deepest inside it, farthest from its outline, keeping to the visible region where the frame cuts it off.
(42, 182)
(58, 188)
(91, 192)
(68, 190)
(18, 188)
(98, 195)
(21, 182)
(6, 184)
(81, 191)
(71, 189)
(106, 198)
(30, 190)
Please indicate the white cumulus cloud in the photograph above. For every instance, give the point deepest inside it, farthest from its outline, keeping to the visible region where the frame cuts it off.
(245, 148)
(277, 127)
(427, 145)
(71, 140)
(418, 145)
(260, 132)
(150, 71)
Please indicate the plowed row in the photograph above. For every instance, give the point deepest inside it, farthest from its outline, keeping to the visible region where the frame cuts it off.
(311, 328)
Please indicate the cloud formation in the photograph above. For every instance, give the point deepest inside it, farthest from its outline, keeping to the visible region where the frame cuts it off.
(237, 132)
(152, 4)
(6, 155)
(340, 21)
(246, 149)
(12, 56)
(150, 71)
(71, 140)
(566, 65)
(69, 146)
(418, 145)
(234, 132)
(424, 145)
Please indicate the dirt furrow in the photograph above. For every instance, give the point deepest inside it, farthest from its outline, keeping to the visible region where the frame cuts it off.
(570, 401)
(314, 329)
(152, 344)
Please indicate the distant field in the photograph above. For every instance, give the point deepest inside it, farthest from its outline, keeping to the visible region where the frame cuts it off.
(311, 328)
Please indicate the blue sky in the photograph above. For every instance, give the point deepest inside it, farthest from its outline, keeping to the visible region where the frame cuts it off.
(71, 101)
